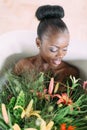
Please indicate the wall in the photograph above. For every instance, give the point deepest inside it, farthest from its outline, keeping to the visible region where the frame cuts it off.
(19, 14)
(17, 17)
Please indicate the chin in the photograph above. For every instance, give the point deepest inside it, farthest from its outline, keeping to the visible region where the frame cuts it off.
(53, 66)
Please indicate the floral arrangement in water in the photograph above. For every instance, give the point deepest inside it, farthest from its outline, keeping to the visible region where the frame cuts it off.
(38, 104)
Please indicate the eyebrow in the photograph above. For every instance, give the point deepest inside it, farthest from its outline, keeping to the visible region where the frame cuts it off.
(58, 46)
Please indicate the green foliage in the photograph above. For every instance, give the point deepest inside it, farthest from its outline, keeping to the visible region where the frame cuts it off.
(19, 91)
(19, 105)
(11, 104)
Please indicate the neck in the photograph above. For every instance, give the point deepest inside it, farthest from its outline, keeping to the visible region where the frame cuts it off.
(42, 63)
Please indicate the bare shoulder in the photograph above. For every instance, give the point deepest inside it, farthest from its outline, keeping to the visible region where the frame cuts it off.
(65, 70)
(24, 65)
(71, 69)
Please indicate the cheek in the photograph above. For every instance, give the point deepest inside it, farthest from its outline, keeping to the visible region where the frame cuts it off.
(64, 53)
(43, 53)
(47, 55)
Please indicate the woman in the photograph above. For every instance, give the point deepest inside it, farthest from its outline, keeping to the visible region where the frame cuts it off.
(52, 41)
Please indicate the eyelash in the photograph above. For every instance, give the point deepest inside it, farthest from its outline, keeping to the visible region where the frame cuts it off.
(64, 49)
(53, 50)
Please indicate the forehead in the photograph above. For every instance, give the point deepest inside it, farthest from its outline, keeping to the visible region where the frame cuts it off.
(56, 38)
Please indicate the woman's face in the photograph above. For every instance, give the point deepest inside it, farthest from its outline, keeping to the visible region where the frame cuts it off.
(53, 48)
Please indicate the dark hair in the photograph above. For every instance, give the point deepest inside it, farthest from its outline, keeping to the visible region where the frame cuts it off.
(50, 18)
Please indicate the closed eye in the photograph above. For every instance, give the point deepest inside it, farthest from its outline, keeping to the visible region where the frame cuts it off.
(65, 49)
(53, 49)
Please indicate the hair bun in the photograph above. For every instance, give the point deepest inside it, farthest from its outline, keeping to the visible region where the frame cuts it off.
(49, 11)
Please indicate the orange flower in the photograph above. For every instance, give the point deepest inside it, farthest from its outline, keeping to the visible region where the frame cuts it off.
(71, 127)
(63, 127)
(63, 99)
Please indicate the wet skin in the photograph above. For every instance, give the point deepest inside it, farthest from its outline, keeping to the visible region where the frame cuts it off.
(52, 49)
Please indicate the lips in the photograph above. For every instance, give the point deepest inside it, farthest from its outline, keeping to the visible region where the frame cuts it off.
(56, 62)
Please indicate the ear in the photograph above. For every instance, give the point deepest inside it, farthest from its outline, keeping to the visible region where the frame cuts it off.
(38, 42)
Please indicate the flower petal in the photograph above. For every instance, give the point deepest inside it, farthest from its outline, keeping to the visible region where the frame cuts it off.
(71, 128)
(29, 107)
(34, 114)
(49, 125)
(43, 125)
(51, 85)
(16, 127)
(63, 127)
(85, 85)
(4, 113)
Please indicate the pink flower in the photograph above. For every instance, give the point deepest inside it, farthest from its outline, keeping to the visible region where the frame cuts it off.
(4, 113)
(51, 86)
(85, 85)
(47, 93)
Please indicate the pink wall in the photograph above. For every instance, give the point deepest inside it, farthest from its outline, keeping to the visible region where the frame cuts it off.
(19, 15)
